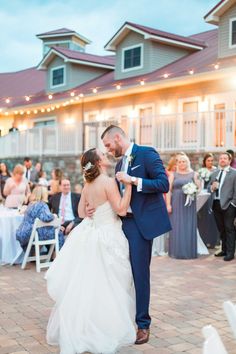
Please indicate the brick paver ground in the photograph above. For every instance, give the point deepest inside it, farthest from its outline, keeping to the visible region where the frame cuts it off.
(186, 295)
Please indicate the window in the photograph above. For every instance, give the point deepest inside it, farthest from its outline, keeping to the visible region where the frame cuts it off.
(146, 126)
(232, 33)
(190, 114)
(58, 76)
(220, 125)
(132, 58)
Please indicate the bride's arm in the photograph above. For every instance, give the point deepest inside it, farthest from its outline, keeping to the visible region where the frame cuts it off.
(82, 206)
(119, 204)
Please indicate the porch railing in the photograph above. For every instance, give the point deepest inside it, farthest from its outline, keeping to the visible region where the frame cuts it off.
(193, 132)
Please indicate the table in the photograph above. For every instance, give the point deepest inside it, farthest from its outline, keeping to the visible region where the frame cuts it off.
(10, 249)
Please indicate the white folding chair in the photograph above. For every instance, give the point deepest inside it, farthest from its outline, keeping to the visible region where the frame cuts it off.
(34, 241)
(213, 343)
(230, 312)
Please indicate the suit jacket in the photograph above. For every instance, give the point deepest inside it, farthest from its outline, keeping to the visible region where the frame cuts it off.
(148, 206)
(228, 188)
(54, 203)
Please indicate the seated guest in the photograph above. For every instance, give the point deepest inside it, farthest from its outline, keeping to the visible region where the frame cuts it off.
(54, 183)
(65, 205)
(16, 188)
(43, 179)
(4, 175)
(37, 208)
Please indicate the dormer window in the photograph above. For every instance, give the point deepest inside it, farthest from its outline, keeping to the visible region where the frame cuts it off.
(232, 33)
(58, 76)
(132, 58)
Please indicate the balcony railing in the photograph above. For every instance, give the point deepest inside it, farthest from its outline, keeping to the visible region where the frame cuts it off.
(195, 132)
(48, 140)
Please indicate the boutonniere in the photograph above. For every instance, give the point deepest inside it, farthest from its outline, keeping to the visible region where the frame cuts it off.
(130, 159)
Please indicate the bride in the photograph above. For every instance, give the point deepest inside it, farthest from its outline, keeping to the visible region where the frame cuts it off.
(91, 279)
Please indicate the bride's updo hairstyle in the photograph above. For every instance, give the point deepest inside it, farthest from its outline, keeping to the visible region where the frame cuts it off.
(89, 164)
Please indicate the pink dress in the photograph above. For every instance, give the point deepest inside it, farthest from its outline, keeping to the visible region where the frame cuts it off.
(15, 192)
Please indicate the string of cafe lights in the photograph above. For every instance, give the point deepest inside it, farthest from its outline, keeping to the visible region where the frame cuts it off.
(72, 97)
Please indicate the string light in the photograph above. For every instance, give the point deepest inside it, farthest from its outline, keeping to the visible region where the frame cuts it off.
(15, 112)
(28, 112)
(142, 82)
(216, 66)
(27, 98)
(50, 97)
(42, 110)
(118, 87)
(48, 109)
(191, 72)
(95, 90)
(35, 111)
(6, 113)
(81, 95)
(166, 76)
(72, 94)
(57, 106)
(8, 100)
(21, 113)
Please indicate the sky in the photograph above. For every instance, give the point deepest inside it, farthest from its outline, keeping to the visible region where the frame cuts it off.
(97, 20)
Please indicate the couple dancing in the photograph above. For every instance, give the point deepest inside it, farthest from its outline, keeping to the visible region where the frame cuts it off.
(100, 280)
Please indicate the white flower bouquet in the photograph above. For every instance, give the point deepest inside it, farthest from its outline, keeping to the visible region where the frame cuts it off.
(190, 189)
(204, 174)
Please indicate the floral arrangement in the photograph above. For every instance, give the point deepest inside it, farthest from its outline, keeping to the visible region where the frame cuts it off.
(190, 189)
(204, 174)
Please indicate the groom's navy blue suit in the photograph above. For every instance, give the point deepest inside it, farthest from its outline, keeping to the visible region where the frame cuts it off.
(150, 219)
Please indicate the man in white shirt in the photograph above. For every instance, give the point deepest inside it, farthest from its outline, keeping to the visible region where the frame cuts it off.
(223, 187)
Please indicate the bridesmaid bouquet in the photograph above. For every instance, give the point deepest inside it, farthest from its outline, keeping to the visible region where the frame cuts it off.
(190, 189)
(204, 174)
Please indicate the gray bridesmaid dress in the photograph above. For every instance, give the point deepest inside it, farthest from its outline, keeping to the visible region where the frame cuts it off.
(183, 237)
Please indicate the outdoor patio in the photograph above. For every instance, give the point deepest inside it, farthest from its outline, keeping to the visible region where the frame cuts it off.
(186, 295)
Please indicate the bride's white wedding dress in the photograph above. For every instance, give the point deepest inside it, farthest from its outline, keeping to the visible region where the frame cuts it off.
(92, 286)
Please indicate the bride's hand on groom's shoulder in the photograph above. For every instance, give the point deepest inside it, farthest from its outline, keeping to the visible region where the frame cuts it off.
(123, 177)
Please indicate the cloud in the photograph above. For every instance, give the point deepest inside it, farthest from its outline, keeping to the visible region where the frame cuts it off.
(98, 20)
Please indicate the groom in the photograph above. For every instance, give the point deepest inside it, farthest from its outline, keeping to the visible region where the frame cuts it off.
(147, 216)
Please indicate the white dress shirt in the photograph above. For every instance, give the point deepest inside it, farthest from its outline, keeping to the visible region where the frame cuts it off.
(128, 153)
(69, 215)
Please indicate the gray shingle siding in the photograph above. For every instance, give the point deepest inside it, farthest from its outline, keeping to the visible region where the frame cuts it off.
(155, 55)
(224, 36)
(75, 74)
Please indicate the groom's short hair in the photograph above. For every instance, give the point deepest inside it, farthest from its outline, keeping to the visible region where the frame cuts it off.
(113, 129)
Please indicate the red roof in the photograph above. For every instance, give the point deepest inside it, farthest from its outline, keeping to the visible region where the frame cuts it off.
(168, 35)
(21, 83)
(58, 31)
(90, 58)
(214, 8)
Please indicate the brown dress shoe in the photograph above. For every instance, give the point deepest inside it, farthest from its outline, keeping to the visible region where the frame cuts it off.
(142, 336)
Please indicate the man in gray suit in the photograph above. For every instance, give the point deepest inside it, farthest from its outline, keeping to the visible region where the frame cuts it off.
(223, 188)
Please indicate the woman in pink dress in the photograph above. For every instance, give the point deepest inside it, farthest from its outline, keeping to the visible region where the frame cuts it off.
(16, 189)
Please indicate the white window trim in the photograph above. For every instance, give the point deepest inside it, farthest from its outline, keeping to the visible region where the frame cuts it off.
(231, 46)
(123, 57)
(45, 119)
(181, 112)
(51, 76)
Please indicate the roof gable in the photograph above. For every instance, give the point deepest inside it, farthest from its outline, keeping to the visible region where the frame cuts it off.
(213, 16)
(156, 35)
(77, 58)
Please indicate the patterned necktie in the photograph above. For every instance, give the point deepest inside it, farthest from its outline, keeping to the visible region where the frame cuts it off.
(219, 180)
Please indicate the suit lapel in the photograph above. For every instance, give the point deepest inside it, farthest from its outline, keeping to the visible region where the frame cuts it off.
(133, 154)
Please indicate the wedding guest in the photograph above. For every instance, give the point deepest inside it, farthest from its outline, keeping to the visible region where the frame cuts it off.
(65, 205)
(233, 160)
(223, 187)
(171, 166)
(43, 179)
(4, 175)
(37, 208)
(205, 218)
(54, 183)
(183, 236)
(16, 188)
(14, 128)
(30, 173)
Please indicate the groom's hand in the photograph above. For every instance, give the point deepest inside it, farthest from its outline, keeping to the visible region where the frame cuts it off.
(89, 210)
(123, 177)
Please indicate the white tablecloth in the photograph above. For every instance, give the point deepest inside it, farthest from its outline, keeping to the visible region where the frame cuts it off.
(10, 249)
